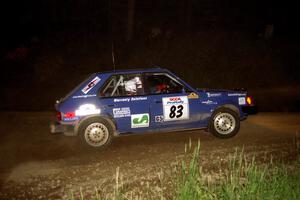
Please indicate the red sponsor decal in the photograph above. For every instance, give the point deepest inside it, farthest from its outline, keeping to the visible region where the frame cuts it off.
(90, 85)
(174, 99)
(69, 115)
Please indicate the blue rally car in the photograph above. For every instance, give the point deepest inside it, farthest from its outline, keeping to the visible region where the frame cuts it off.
(109, 104)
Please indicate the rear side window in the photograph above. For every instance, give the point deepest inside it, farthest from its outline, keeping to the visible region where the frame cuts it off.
(123, 85)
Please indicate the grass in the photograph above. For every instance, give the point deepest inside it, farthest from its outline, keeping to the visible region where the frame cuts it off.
(247, 180)
(243, 179)
(240, 178)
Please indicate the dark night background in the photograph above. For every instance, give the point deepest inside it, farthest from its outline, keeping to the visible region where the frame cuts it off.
(49, 46)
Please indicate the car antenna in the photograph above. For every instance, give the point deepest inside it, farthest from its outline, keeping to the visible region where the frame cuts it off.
(113, 55)
(112, 36)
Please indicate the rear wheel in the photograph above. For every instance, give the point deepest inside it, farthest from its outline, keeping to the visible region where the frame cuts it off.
(96, 132)
(224, 123)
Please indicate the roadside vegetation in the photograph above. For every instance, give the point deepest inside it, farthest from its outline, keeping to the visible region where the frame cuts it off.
(240, 177)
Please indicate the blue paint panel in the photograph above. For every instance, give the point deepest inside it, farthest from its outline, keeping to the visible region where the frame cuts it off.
(121, 109)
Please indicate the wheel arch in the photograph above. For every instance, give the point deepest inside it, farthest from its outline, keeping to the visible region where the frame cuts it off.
(109, 119)
(231, 107)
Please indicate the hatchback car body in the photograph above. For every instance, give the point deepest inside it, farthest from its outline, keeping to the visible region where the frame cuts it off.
(136, 101)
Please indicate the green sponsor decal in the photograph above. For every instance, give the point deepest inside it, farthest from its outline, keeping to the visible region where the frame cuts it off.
(141, 120)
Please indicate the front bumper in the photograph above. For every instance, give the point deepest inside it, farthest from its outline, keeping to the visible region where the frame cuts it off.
(250, 110)
(56, 127)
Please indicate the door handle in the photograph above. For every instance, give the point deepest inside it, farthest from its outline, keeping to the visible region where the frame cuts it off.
(158, 101)
(110, 105)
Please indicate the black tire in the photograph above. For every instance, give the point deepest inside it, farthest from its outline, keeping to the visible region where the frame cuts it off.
(224, 123)
(96, 132)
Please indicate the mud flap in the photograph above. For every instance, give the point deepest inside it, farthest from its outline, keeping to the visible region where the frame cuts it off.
(57, 128)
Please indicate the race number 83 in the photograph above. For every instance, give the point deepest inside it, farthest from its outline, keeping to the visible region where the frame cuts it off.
(175, 108)
(176, 111)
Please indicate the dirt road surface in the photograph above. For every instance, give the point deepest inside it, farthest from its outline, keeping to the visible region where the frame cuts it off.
(37, 165)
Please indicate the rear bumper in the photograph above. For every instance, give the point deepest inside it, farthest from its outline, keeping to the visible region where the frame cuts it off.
(56, 127)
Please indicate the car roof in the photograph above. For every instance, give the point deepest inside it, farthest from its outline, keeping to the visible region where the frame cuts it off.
(126, 71)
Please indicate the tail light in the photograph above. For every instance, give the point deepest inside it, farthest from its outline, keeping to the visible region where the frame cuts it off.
(249, 100)
(58, 116)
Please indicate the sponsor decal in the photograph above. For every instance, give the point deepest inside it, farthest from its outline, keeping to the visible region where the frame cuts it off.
(209, 102)
(159, 118)
(84, 96)
(236, 94)
(122, 100)
(242, 100)
(71, 119)
(130, 99)
(138, 98)
(175, 108)
(121, 112)
(173, 100)
(87, 109)
(140, 120)
(213, 94)
(193, 95)
(90, 85)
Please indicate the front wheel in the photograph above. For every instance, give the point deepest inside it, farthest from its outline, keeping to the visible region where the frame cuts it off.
(96, 132)
(224, 123)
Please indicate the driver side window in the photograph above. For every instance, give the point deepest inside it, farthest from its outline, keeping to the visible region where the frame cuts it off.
(159, 83)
